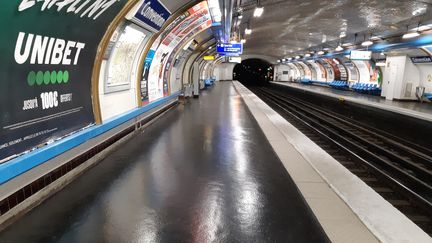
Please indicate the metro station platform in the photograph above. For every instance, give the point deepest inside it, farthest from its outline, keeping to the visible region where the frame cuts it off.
(203, 172)
(221, 168)
(414, 109)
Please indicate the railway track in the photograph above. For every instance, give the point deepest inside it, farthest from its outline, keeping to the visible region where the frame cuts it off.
(398, 170)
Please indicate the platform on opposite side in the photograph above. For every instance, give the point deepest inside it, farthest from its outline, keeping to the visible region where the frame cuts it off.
(413, 109)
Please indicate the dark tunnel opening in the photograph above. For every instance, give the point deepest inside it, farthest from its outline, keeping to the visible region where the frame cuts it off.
(253, 72)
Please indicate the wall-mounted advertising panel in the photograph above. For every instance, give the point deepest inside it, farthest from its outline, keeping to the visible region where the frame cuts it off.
(330, 75)
(152, 15)
(336, 72)
(46, 63)
(353, 75)
(230, 49)
(361, 55)
(187, 23)
(364, 71)
(205, 24)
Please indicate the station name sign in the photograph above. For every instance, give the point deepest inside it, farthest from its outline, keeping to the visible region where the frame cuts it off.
(424, 59)
(361, 55)
(152, 14)
(230, 49)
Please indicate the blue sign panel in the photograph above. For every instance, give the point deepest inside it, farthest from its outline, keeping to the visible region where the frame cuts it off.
(230, 49)
(153, 14)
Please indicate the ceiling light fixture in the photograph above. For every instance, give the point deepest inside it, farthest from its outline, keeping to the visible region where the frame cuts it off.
(423, 28)
(321, 53)
(410, 35)
(347, 44)
(375, 38)
(259, 10)
(339, 48)
(248, 31)
(367, 43)
(419, 11)
(307, 55)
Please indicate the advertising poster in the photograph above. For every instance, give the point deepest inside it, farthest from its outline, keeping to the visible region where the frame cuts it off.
(375, 76)
(329, 70)
(144, 81)
(336, 70)
(157, 84)
(352, 71)
(312, 69)
(47, 52)
(301, 70)
(364, 72)
(201, 25)
(323, 76)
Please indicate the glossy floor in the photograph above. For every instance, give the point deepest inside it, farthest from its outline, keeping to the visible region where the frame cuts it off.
(204, 172)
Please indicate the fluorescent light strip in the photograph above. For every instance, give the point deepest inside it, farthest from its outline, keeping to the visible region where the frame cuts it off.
(410, 35)
(367, 43)
(258, 11)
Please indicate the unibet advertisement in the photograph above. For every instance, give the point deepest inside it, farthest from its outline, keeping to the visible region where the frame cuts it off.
(47, 51)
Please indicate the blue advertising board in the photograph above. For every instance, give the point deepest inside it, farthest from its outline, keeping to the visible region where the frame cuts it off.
(152, 14)
(230, 49)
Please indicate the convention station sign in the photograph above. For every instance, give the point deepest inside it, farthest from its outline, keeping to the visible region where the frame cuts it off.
(47, 52)
(422, 59)
(152, 15)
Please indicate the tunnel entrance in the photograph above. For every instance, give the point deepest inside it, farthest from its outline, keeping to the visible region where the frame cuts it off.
(255, 72)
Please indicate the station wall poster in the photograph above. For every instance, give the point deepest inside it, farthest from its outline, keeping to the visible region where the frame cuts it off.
(165, 45)
(47, 51)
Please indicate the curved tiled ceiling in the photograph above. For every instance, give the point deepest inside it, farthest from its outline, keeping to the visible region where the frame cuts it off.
(287, 27)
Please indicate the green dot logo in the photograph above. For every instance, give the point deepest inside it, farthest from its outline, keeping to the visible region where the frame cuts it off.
(31, 78)
(66, 77)
(39, 78)
(60, 77)
(47, 77)
(53, 77)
